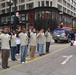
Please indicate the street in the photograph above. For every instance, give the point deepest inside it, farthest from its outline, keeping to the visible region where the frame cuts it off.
(60, 61)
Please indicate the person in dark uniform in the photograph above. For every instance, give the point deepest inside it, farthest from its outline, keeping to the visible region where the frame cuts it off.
(72, 37)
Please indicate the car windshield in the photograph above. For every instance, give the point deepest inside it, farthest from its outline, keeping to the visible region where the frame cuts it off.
(59, 31)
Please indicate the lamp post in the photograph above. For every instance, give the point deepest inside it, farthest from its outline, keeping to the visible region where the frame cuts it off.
(72, 21)
(61, 13)
(15, 1)
(10, 2)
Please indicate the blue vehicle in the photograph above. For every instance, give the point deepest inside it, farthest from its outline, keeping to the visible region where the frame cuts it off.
(62, 35)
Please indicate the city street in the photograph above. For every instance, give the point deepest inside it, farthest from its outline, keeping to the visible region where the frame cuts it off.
(26, 29)
(60, 61)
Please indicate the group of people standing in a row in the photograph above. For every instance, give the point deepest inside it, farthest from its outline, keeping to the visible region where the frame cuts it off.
(19, 41)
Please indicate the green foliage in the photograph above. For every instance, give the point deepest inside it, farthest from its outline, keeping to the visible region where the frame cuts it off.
(75, 25)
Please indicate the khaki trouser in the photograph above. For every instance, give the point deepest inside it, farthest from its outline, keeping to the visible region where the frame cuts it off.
(5, 56)
(32, 51)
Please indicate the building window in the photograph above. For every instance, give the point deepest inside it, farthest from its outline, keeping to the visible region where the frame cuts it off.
(42, 3)
(68, 5)
(13, 8)
(38, 4)
(41, 14)
(12, 18)
(7, 19)
(22, 7)
(47, 14)
(44, 14)
(64, 9)
(64, 3)
(53, 15)
(3, 5)
(36, 15)
(60, 1)
(7, 10)
(47, 3)
(29, 6)
(51, 4)
(27, 16)
(3, 11)
(31, 16)
(22, 18)
(3, 20)
(21, 1)
(68, 11)
(60, 7)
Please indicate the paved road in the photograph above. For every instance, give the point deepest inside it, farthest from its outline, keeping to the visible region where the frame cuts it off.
(60, 61)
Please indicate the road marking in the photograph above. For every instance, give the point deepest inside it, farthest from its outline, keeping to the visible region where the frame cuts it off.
(67, 58)
(18, 65)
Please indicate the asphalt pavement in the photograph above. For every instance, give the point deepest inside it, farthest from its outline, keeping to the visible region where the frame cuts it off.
(60, 61)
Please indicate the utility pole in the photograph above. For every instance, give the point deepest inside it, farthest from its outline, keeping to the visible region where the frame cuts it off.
(10, 2)
(15, 9)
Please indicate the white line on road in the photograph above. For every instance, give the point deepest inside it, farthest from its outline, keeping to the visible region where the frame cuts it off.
(65, 61)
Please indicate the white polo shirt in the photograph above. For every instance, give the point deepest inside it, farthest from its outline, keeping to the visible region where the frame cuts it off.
(5, 38)
(23, 38)
(13, 40)
(33, 39)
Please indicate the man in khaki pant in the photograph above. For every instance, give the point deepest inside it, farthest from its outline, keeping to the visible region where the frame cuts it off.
(5, 56)
(33, 43)
(5, 47)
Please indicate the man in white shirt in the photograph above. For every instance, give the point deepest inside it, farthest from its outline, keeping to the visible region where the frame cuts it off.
(41, 39)
(24, 38)
(18, 42)
(13, 46)
(33, 43)
(5, 47)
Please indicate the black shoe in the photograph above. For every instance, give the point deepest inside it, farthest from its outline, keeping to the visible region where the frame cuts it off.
(71, 44)
(7, 67)
(47, 52)
(40, 54)
(43, 54)
(4, 67)
(14, 59)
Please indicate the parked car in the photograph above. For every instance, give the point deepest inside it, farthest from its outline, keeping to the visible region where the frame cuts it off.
(62, 35)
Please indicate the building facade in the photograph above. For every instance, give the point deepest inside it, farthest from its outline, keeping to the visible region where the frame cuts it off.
(41, 12)
(67, 6)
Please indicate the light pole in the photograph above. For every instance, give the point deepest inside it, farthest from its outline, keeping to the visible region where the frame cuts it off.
(15, 1)
(72, 21)
(61, 13)
(10, 2)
